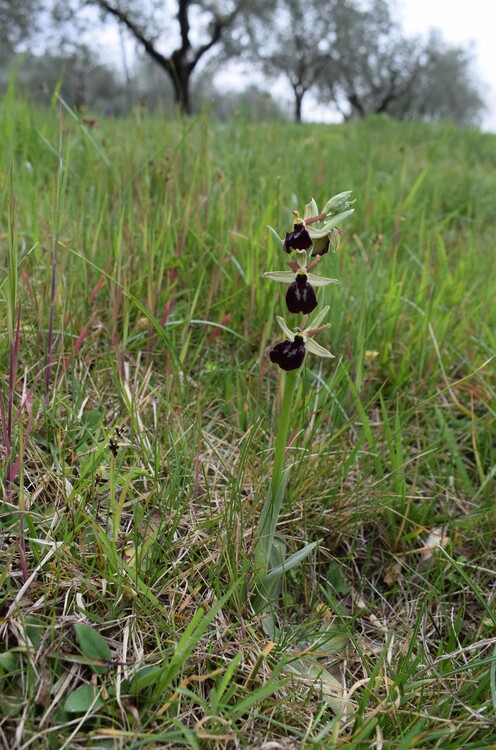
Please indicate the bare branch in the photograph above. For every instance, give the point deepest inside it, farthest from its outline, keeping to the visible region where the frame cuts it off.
(138, 34)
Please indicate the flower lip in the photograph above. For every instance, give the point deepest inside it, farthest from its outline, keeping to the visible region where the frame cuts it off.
(298, 239)
(289, 355)
(301, 297)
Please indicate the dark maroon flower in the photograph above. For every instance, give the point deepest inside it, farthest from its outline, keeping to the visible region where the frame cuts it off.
(289, 355)
(301, 297)
(298, 239)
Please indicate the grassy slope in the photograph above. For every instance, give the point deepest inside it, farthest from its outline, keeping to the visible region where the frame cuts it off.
(144, 322)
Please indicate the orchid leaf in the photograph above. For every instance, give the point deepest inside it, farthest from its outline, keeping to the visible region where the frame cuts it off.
(290, 562)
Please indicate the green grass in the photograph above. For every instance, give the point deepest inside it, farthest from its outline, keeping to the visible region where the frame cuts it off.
(137, 456)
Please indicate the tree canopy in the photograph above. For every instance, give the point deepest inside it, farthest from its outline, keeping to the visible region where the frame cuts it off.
(299, 46)
(350, 55)
(178, 34)
(16, 23)
(375, 69)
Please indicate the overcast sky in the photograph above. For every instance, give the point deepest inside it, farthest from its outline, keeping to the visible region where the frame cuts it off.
(469, 23)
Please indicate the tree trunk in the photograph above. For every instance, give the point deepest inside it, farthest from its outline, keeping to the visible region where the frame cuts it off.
(299, 93)
(180, 74)
(181, 64)
(357, 109)
(298, 100)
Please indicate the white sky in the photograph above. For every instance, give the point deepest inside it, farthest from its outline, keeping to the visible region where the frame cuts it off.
(472, 22)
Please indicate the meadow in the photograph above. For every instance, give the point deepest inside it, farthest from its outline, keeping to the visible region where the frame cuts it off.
(138, 407)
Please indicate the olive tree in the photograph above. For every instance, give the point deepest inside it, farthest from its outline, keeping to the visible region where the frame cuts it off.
(376, 69)
(17, 23)
(445, 87)
(296, 45)
(178, 34)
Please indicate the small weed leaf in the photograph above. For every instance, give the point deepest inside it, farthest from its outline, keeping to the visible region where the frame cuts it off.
(83, 699)
(336, 581)
(93, 646)
(8, 662)
(35, 629)
(92, 420)
(146, 677)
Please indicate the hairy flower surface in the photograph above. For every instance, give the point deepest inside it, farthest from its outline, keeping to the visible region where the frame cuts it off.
(301, 297)
(289, 355)
(298, 239)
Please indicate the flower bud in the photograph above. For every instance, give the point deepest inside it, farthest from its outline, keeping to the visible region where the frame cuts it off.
(338, 203)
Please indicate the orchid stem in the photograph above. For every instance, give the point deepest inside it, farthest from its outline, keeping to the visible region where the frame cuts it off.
(289, 388)
(272, 507)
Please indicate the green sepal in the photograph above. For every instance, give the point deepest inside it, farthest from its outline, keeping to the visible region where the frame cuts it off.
(320, 280)
(317, 349)
(285, 277)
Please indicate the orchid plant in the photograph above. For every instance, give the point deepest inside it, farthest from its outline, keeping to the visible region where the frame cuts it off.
(310, 239)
